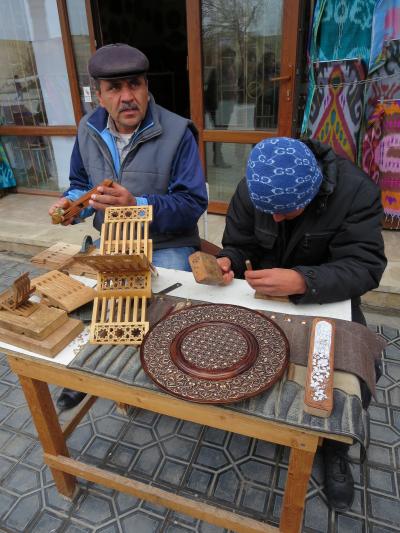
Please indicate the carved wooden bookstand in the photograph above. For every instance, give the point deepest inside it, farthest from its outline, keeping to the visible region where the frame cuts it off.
(16, 298)
(124, 277)
(34, 326)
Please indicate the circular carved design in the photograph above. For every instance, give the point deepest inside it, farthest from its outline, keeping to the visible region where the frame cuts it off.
(214, 350)
(215, 353)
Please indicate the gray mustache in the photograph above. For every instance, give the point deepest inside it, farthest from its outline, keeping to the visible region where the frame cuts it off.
(129, 107)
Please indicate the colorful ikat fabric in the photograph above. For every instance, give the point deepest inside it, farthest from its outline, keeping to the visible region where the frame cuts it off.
(381, 158)
(336, 106)
(385, 28)
(342, 29)
(384, 83)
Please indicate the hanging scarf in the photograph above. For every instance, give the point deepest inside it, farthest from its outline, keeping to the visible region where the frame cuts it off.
(381, 158)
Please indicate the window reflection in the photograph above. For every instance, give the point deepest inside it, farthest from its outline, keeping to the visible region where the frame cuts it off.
(222, 181)
(81, 46)
(241, 55)
(39, 162)
(34, 87)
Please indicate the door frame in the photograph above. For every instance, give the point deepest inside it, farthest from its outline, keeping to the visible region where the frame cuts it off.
(287, 91)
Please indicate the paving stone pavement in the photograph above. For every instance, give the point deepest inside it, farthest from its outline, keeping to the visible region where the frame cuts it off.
(222, 468)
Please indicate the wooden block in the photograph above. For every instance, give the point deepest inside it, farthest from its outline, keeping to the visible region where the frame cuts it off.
(260, 296)
(318, 394)
(41, 323)
(205, 269)
(62, 291)
(50, 346)
(57, 256)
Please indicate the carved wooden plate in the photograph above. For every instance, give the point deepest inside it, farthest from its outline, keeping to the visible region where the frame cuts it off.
(215, 353)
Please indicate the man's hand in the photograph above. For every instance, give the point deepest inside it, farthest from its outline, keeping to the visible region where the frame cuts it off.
(115, 196)
(225, 266)
(276, 281)
(62, 203)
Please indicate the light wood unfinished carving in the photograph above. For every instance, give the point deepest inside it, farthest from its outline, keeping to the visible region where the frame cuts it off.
(38, 325)
(51, 345)
(57, 256)
(59, 290)
(124, 278)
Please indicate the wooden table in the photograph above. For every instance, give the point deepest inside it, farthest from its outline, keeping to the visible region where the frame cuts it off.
(35, 372)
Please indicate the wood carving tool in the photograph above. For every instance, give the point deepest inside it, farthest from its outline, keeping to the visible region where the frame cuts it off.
(74, 208)
(260, 296)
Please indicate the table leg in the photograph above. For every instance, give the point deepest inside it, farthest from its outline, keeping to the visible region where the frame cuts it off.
(44, 415)
(300, 466)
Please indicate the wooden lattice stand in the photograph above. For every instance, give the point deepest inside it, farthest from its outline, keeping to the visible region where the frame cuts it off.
(124, 277)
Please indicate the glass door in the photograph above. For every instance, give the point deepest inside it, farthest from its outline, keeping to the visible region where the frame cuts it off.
(241, 82)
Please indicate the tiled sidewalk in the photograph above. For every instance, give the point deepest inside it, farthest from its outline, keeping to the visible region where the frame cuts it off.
(223, 468)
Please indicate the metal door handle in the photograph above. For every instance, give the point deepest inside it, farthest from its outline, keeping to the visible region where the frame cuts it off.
(282, 78)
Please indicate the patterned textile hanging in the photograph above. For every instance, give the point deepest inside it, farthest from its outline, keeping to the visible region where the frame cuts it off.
(385, 27)
(341, 29)
(384, 82)
(6, 174)
(336, 106)
(381, 158)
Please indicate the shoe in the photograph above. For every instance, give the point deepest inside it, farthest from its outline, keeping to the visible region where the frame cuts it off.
(339, 483)
(69, 398)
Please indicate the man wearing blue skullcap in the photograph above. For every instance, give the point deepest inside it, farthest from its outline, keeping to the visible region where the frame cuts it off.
(309, 222)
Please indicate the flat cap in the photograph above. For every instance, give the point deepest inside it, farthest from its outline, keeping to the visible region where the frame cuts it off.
(117, 61)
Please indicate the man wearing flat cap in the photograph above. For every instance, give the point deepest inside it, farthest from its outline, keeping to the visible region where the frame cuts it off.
(150, 154)
(309, 222)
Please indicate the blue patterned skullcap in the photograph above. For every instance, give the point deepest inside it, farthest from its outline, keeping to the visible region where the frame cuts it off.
(282, 175)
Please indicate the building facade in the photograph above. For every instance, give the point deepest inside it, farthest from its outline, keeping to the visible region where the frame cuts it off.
(231, 65)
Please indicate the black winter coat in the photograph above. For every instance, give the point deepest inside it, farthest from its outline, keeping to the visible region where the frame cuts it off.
(336, 243)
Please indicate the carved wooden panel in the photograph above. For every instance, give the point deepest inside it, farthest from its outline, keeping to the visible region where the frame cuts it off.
(114, 263)
(61, 291)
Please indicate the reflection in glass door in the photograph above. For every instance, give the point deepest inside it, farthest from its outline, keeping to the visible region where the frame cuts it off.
(241, 61)
(241, 81)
